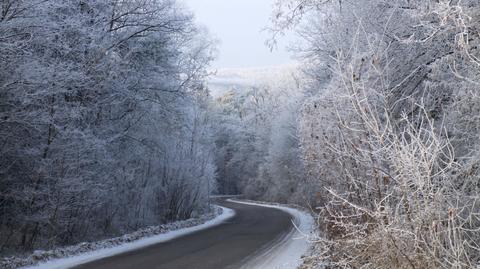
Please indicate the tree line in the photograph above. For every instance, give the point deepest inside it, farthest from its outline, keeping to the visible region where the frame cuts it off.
(103, 123)
(383, 136)
(107, 125)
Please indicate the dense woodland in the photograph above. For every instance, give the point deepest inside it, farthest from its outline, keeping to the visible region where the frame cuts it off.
(107, 125)
(381, 135)
(103, 123)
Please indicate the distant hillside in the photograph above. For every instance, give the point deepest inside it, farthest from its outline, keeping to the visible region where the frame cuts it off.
(241, 79)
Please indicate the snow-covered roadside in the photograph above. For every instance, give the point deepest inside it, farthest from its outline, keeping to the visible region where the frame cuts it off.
(86, 252)
(289, 251)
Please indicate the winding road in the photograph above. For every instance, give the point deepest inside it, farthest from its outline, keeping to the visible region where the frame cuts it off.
(249, 234)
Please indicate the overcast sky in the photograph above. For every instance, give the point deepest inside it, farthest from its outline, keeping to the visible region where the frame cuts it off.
(238, 25)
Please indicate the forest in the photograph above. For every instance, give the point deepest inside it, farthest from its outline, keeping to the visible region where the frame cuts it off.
(103, 119)
(108, 124)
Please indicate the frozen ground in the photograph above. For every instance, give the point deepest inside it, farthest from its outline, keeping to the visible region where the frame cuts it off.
(85, 252)
(287, 252)
(284, 253)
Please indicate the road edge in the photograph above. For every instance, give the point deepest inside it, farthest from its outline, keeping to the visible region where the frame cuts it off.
(97, 254)
(289, 252)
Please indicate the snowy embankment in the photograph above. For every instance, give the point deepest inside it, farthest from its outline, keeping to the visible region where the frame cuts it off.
(85, 252)
(288, 252)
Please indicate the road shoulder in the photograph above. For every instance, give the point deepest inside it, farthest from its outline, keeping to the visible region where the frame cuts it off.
(119, 245)
(287, 252)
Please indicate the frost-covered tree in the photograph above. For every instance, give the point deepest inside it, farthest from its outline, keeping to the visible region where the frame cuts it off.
(257, 144)
(390, 155)
(103, 126)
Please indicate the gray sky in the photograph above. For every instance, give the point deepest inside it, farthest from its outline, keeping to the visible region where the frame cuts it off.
(238, 25)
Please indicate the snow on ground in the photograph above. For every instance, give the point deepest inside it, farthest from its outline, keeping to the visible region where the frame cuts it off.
(288, 252)
(132, 244)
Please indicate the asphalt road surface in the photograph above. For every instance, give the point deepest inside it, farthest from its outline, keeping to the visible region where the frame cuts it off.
(231, 244)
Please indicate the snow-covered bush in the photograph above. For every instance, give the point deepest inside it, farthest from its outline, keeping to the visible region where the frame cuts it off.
(389, 136)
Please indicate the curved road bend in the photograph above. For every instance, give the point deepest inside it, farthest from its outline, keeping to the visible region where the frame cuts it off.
(229, 245)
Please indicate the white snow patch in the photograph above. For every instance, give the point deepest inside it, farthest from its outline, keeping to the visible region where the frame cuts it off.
(287, 254)
(69, 262)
